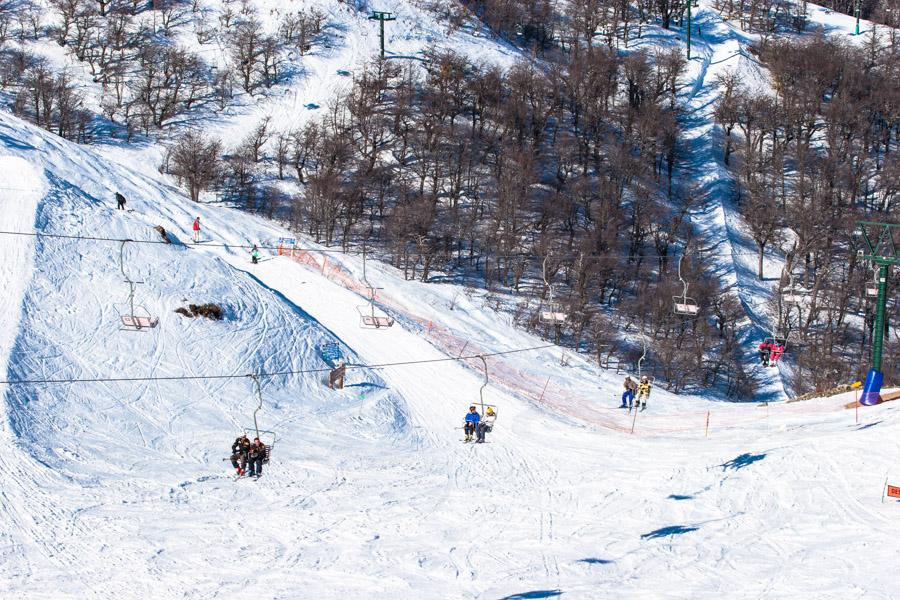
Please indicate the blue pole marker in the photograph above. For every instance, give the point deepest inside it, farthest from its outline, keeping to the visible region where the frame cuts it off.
(872, 388)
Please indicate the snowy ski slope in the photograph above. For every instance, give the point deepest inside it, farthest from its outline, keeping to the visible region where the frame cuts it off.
(117, 489)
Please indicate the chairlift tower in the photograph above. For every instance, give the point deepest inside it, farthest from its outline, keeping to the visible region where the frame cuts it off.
(881, 249)
(381, 17)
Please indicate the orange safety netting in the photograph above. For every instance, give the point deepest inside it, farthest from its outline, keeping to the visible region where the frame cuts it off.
(526, 385)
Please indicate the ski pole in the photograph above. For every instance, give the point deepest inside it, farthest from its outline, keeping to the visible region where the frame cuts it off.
(634, 420)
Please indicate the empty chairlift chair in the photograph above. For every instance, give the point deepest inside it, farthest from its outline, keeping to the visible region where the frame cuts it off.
(683, 304)
(793, 294)
(553, 313)
(369, 316)
(132, 316)
(872, 285)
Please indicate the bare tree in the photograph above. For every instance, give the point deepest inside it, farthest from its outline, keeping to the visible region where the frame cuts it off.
(194, 159)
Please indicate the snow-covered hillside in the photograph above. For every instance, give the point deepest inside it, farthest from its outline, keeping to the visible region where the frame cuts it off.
(114, 483)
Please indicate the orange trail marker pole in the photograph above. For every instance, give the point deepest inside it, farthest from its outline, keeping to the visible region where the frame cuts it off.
(856, 385)
(541, 399)
(633, 421)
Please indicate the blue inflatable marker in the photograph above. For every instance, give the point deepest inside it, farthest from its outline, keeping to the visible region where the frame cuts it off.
(872, 389)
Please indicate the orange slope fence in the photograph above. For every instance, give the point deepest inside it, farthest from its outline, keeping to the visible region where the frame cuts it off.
(543, 391)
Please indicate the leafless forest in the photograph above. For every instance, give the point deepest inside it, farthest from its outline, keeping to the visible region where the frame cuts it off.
(573, 159)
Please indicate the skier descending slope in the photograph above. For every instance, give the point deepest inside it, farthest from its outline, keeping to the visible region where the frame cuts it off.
(472, 419)
(196, 228)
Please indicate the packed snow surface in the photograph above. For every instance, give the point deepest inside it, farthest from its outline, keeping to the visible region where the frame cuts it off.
(114, 486)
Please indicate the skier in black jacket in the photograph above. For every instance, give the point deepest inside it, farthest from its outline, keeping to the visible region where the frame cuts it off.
(239, 451)
(257, 455)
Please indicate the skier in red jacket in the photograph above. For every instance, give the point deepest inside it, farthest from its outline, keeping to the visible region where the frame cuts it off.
(765, 352)
(196, 228)
(777, 351)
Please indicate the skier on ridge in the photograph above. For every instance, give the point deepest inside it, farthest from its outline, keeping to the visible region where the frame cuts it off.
(196, 228)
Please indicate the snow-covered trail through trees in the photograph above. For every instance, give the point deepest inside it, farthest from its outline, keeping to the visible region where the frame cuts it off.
(719, 49)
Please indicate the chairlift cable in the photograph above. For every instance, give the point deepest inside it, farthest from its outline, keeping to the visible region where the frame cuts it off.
(274, 373)
(133, 241)
(580, 257)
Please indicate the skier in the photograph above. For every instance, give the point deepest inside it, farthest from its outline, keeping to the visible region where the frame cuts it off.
(765, 351)
(257, 455)
(643, 392)
(254, 254)
(239, 450)
(196, 228)
(485, 425)
(120, 201)
(472, 419)
(628, 394)
(777, 351)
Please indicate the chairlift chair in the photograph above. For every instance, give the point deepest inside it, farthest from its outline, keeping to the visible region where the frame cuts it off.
(776, 341)
(487, 380)
(872, 285)
(267, 437)
(792, 294)
(369, 316)
(683, 304)
(554, 315)
(133, 317)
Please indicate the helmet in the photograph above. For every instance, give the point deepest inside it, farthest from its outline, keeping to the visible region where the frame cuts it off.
(472, 407)
(644, 378)
(490, 410)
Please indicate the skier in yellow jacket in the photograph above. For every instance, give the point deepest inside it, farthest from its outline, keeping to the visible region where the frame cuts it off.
(643, 392)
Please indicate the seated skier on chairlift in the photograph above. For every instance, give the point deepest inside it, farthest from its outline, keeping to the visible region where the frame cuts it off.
(239, 451)
(765, 352)
(256, 456)
(643, 393)
(485, 425)
(472, 419)
(777, 352)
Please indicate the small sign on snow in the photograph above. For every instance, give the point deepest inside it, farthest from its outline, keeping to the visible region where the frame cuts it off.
(893, 491)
